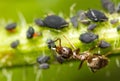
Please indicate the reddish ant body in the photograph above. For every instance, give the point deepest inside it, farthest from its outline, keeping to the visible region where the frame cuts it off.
(94, 61)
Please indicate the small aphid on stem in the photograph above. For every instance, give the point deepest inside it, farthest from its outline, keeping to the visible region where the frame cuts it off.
(74, 21)
(104, 44)
(14, 44)
(30, 32)
(108, 5)
(92, 27)
(43, 59)
(39, 22)
(88, 37)
(11, 26)
(44, 66)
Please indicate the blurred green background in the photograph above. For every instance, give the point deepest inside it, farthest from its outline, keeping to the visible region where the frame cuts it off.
(30, 9)
(9, 9)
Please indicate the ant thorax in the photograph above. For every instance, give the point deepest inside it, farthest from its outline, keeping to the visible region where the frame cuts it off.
(83, 56)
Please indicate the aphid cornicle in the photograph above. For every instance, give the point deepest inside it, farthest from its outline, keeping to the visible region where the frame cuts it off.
(96, 15)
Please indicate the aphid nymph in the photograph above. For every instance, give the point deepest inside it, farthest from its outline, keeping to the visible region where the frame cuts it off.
(14, 44)
(43, 59)
(88, 37)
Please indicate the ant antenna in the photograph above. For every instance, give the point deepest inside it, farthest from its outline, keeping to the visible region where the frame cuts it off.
(58, 39)
(69, 41)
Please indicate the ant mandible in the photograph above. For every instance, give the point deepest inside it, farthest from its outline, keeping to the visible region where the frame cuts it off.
(94, 61)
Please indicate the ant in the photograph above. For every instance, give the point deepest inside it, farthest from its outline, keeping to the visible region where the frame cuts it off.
(94, 61)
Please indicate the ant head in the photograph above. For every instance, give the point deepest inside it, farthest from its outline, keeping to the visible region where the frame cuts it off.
(97, 62)
(65, 52)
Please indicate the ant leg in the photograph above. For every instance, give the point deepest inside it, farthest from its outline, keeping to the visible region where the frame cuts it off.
(92, 48)
(81, 63)
(111, 52)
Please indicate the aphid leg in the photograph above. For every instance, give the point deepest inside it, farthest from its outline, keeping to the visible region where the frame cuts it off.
(81, 63)
(93, 70)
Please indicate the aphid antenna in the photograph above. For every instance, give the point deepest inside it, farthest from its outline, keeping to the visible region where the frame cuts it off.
(69, 42)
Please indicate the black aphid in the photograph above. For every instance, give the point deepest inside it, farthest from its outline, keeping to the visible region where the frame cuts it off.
(92, 26)
(88, 37)
(51, 43)
(96, 16)
(43, 59)
(74, 21)
(14, 44)
(82, 17)
(44, 66)
(39, 22)
(55, 22)
(104, 44)
(118, 28)
(108, 5)
(11, 26)
(114, 21)
(60, 59)
(30, 32)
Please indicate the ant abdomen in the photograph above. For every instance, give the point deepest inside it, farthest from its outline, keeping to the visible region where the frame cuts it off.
(97, 62)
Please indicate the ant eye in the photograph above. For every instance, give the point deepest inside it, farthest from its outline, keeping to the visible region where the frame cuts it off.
(65, 50)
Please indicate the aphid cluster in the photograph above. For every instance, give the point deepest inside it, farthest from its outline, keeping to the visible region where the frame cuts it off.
(94, 61)
(90, 18)
(43, 62)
